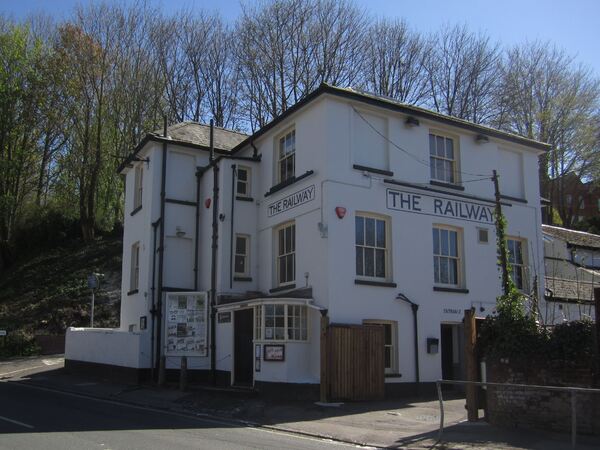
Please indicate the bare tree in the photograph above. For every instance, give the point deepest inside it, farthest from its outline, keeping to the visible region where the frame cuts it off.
(463, 71)
(395, 62)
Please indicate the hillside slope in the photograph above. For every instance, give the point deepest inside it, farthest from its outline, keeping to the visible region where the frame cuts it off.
(46, 292)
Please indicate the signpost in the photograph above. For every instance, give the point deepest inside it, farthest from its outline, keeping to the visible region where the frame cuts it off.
(93, 283)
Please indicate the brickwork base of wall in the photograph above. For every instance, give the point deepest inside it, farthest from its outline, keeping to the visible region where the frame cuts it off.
(536, 409)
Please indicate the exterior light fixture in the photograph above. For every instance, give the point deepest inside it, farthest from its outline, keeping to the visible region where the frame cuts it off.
(482, 139)
(207, 203)
(412, 121)
(179, 232)
(340, 211)
(433, 345)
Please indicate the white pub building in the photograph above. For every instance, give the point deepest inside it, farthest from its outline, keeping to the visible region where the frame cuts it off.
(349, 206)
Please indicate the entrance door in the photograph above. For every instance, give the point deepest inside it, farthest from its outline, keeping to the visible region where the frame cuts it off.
(447, 353)
(243, 351)
(452, 351)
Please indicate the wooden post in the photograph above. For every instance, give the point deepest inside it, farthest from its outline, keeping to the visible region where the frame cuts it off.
(471, 365)
(324, 397)
(162, 370)
(597, 317)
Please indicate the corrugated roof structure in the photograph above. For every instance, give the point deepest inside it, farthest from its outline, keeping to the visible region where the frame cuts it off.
(576, 238)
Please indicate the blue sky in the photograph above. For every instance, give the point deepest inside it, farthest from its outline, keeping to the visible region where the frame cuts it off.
(572, 24)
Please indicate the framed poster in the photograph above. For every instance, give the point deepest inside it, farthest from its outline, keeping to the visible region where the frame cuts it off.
(274, 352)
(186, 324)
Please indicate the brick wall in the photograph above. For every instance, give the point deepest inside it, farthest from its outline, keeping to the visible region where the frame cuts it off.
(549, 410)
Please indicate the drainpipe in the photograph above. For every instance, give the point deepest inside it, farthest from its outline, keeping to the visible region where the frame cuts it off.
(161, 247)
(153, 310)
(233, 172)
(213, 270)
(414, 308)
(197, 231)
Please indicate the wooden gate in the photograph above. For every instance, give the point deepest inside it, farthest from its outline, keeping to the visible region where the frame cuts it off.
(354, 358)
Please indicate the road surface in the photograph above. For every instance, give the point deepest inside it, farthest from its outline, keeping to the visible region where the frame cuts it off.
(32, 418)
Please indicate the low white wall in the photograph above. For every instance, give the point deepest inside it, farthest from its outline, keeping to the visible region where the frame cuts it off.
(107, 346)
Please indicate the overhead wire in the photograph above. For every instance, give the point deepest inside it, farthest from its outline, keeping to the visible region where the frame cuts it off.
(481, 176)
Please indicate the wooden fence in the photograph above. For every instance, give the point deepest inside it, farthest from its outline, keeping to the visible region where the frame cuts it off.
(354, 362)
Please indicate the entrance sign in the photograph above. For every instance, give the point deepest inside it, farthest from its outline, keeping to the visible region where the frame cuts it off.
(186, 330)
(274, 352)
(431, 205)
(291, 201)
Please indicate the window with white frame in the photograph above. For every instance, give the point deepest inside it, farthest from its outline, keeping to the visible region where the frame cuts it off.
(280, 322)
(390, 342)
(243, 182)
(138, 186)
(447, 256)
(135, 267)
(286, 157)
(241, 259)
(442, 158)
(286, 254)
(516, 261)
(372, 247)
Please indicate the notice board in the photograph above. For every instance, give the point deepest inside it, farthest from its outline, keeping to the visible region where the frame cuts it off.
(186, 324)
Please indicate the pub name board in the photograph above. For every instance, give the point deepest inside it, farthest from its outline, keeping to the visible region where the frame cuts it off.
(291, 201)
(439, 206)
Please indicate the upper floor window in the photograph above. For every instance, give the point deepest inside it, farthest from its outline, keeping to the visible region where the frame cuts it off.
(243, 182)
(515, 258)
(286, 254)
(447, 256)
(442, 158)
(134, 281)
(371, 246)
(138, 186)
(286, 157)
(242, 255)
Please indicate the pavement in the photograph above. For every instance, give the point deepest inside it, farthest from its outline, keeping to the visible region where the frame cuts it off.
(405, 423)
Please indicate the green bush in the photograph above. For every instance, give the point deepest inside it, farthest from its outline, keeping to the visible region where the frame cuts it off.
(572, 341)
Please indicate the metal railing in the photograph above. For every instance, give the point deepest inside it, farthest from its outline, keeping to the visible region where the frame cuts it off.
(573, 390)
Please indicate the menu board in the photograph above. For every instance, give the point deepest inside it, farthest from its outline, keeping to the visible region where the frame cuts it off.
(186, 324)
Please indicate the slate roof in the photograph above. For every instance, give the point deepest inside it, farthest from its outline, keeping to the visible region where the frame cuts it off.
(560, 289)
(199, 134)
(575, 238)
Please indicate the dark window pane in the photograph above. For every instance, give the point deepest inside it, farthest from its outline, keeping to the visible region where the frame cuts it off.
(381, 233)
(282, 269)
(388, 357)
(444, 270)
(449, 148)
(387, 330)
(436, 241)
(452, 271)
(242, 174)
(240, 246)
(380, 263)
(439, 163)
(241, 188)
(280, 250)
(370, 231)
(293, 242)
(440, 146)
(288, 239)
(453, 244)
(290, 268)
(369, 262)
(436, 269)
(432, 144)
(432, 168)
(444, 242)
(360, 230)
(279, 310)
(240, 266)
(359, 261)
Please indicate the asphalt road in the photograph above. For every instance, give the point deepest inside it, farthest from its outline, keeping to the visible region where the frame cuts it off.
(32, 418)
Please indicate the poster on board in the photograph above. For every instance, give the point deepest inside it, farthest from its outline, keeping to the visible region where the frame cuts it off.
(186, 325)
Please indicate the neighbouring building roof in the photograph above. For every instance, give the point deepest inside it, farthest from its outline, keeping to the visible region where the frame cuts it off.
(572, 237)
(563, 290)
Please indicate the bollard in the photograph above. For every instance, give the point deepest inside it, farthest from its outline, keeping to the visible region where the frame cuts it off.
(183, 374)
(162, 370)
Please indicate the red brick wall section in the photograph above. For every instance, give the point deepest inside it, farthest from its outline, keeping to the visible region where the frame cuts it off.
(545, 410)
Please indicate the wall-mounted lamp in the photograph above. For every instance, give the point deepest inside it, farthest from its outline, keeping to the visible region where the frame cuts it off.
(433, 346)
(179, 232)
(340, 211)
(222, 217)
(482, 139)
(412, 121)
(322, 229)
